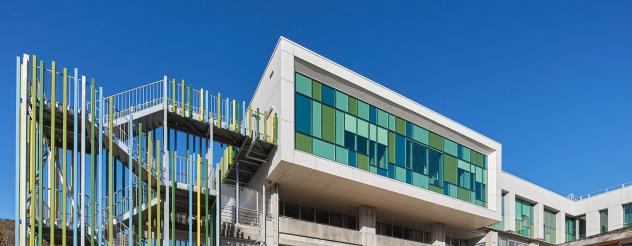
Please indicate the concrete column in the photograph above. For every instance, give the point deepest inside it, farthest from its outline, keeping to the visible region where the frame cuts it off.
(615, 217)
(538, 221)
(577, 228)
(510, 212)
(560, 227)
(437, 234)
(491, 239)
(367, 225)
(272, 225)
(592, 223)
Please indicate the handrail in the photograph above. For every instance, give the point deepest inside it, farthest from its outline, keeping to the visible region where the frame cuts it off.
(599, 192)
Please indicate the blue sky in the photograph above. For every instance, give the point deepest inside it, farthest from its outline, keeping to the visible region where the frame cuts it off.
(550, 80)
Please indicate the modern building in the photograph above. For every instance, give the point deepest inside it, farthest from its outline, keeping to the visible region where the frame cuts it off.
(319, 156)
(359, 164)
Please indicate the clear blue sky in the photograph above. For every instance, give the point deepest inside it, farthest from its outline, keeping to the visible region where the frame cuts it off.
(550, 80)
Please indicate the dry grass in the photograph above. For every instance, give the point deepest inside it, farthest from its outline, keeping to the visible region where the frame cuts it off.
(7, 232)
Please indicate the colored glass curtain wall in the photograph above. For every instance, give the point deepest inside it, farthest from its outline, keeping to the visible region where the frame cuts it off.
(524, 218)
(571, 234)
(333, 125)
(549, 226)
(627, 214)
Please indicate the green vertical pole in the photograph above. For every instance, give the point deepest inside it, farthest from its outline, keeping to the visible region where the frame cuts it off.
(150, 166)
(92, 159)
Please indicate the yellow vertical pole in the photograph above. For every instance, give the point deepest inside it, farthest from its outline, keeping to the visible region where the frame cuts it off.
(159, 171)
(199, 188)
(234, 122)
(150, 166)
(110, 174)
(51, 177)
(201, 104)
(64, 160)
(182, 99)
(265, 126)
(219, 110)
(32, 154)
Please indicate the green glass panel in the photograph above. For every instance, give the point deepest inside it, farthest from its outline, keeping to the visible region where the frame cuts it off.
(400, 126)
(435, 189)
(317, 90)
(303, 142)
(340, 128)
(450, 147)
(363, 110)
(342, 101)
(303, 85)
(353, 106)
(316, 119)
(342, 155)
(382, 136)
(464, 194)
(324, 149)
(476, 158)
(373, 132)
(363, 128)
(436, 141)
(391, 147)
(420, 180)
(484, 176)
(329, 124)
(420, 135)
(400, 174)
(363, 162)
(382, 118)
(450, 171)
(391, 122)
(350, 123)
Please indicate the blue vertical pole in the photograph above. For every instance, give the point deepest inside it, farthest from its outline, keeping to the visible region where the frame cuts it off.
(75, 195)
(189, 167)
(130, 145)
(100, 169)
(17, 150)
(243, 115)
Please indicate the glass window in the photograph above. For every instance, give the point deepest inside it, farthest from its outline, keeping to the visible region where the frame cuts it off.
(436, 141)
(464, 153)
(524, 218)
(627, 214)
(291, 210)
(350, 222)
(353, 106)
(582, 226)
(363, 128)
(382, 118)
(571, 234)
(336, 219)
(449, 169)
(316, 119)
(450, 147)
(303, 114)
(603, 221)
(307, 213)
(303, 142)
(342, 155)
(363, 110)
(342, 101)
(329, 96)
(316, 90)
(322, 216)
(549, 226)
(350, 141)
(465, 179)
(420, 135)
(400, 151)
(324, 149)
(340, 128)
(435, 168)
(328, 124)
(400, 126)
(418, 157)
(372, 114)
(303, 84)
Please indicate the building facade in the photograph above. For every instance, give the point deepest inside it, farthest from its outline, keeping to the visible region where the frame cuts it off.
(359, 164)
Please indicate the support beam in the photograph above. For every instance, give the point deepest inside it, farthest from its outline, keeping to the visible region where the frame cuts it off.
(75, 153)
(130, 175)
(165, 158)
(100, 169)
(83, 161)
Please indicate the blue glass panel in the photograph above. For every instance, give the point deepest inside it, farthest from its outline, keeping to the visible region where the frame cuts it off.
(435, 167)
(350, 141)
(329, 96)
(409, 176)
(391, 170)
(409, 129)
(352, 158)
(400, 152)
(303, 114)
(372, 153)
(362, 144)
(382, 155)
(373, 114)
(382, 171)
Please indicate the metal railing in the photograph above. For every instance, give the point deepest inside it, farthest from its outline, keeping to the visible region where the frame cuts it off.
(186, 171)
(599, 192)
(246, 216)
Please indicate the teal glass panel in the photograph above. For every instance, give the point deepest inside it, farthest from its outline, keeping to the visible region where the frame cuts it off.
(342, 155)
(420, 135)
(373, 169)
(627, 214)
(464, 153)
(363, 128)
(382, 118)
(373, 132)
(450, 147)
(316, 119)
(524, 218)
(303, 85)
(400, 174)
(391, 122)
(340, 128)
(571, 229)
(342, 101)
(324, 149)
(382, 136)
(549, 227)
(363, 110)
(420, 180)
(350, 123)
